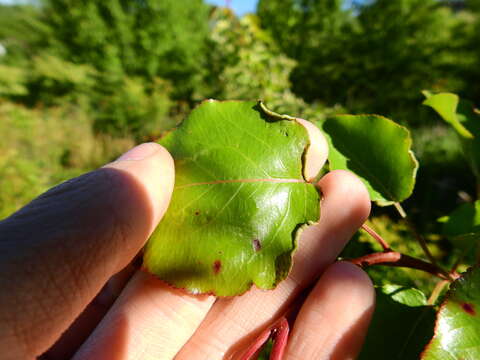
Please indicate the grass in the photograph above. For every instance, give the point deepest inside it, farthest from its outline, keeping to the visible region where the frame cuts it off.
(40, 148)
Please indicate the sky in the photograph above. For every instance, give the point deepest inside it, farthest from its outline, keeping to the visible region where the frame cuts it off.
(13, 1)
(240, 7)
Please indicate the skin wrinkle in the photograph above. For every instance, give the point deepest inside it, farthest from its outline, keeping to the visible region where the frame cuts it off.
(42, 316)
(121, 225)
(20, 333)
(74, 275)
(47, 310)
(174, 312)
(60, 244)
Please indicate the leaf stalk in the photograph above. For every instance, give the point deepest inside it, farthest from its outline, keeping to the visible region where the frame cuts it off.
(396, 259)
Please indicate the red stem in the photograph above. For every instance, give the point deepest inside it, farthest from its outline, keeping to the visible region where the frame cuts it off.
(393, 258)
(377, 237)
(401, 260)
(437, 291)
(279, 334)
(280, 338)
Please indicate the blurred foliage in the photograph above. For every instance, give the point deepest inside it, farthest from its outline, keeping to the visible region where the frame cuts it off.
(20, 30)
(252, 66)
(375, 57)
(37, 151)
(129, 106)
(12, 81)
(123, 61)
(146, 39)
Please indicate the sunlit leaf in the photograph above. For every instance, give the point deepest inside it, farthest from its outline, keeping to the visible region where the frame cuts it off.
(377, 150)
(459, 113)
(446, 105)
(462, 115)
(239, 201)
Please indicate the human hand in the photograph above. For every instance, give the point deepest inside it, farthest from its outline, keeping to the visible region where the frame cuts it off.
(58, 252)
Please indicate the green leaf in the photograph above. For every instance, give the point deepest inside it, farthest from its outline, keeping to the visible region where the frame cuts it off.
(463, 220)
(377, 150)
(446, 104)
(465, 119)
(457, 329)
(401, 325)
(239, 201)
(462, 226)
(459, 113)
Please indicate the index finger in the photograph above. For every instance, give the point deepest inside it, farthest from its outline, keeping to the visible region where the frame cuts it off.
(58, 251)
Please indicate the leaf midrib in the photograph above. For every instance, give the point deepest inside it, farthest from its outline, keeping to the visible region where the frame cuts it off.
(232, 181)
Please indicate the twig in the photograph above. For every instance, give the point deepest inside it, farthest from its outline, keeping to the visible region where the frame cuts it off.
(437, 291)
(421, 241)
(400, 210)
(376, 236)
(396, 259)
(425, 248)
(459, 261)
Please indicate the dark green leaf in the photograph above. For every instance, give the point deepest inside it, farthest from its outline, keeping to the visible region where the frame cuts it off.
(377, 150)
(239, 201)
(463, 220)
(462, 226)
(401, 326)
(457, 330)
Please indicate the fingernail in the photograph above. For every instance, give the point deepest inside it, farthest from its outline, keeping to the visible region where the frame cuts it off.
(140, 152)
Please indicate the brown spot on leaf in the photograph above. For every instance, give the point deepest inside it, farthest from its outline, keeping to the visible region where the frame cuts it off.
(217, 266)
(257, 246)
(197, 212)
(468, 308)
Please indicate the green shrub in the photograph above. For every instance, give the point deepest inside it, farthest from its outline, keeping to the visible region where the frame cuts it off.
(132, 107)
(12, 81)
(250, 65)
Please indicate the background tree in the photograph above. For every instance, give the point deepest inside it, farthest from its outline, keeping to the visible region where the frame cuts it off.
(124, 59)
(298, 26)
(377, 55)
(148, 39)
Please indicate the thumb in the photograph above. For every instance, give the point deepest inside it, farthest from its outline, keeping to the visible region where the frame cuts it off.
(58, 251)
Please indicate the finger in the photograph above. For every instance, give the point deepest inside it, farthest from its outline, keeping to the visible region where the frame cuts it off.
(317, 152)
(150, 320)
(232, 323)
(58, 251)
(334, 319)
(87, 321)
